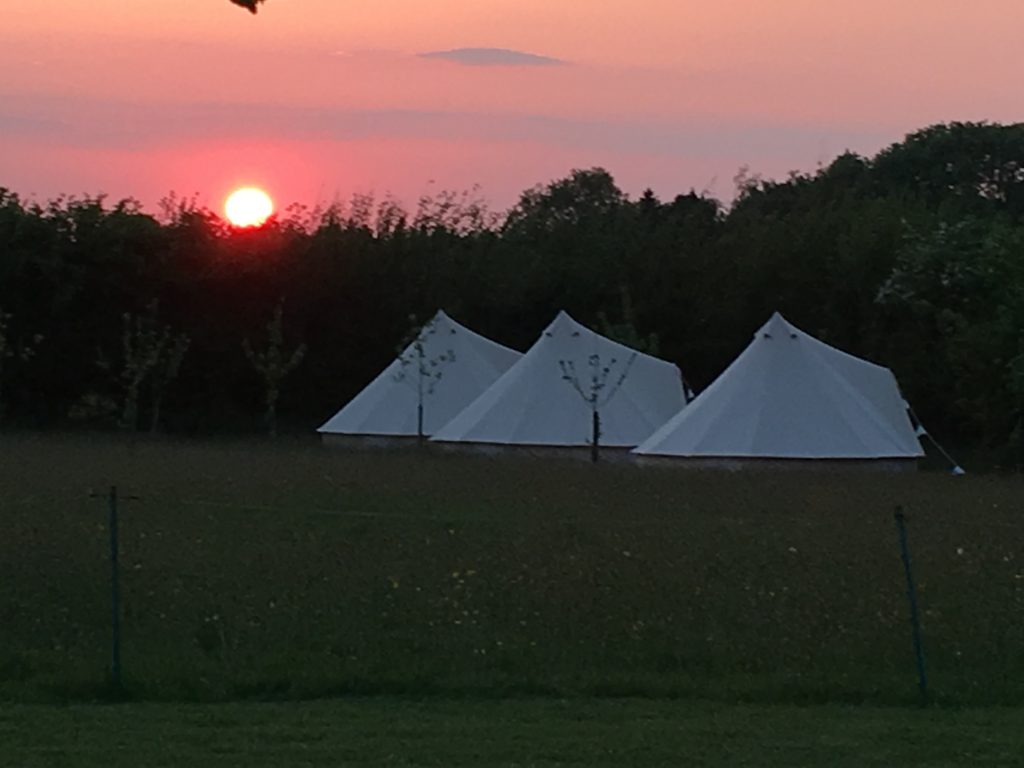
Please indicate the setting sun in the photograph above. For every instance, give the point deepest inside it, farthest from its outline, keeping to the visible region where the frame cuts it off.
(248, 207)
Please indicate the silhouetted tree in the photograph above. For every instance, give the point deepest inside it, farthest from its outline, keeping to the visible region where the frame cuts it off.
(163, 373)
(12, 349)
(910, 258)
(419, 369)
(625, 331)
(597, 389)
(149, 351)
(273, 364)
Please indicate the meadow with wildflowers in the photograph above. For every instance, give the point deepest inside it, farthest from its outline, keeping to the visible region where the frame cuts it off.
(289, 571)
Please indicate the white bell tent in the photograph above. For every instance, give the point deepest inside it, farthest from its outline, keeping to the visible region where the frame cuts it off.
(791, 396)
(545, 398)
(445, 367)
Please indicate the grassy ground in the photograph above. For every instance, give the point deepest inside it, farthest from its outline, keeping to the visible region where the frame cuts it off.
(594, 733)
(288, 571)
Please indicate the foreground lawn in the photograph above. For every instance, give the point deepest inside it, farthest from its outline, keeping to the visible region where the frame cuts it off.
(388, 731)
(259, 571)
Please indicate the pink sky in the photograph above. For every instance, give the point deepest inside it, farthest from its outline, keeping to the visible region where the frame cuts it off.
(317, 99)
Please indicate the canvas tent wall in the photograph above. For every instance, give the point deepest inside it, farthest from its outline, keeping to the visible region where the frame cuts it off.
(457, 366)
(790, 396)
(533, 404)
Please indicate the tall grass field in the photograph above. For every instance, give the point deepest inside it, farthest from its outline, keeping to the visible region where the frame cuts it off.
(255, 570)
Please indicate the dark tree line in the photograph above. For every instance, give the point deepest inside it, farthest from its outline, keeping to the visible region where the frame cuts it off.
(913, 258)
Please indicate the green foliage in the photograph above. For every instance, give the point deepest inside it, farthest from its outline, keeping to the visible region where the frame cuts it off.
(959, 168)
(273, 363)
(11, 350)
(853, 253)
(164, 372)
(956, 311)
(141, 348)
(151, 352)
(269, 570)
(94, 407)
(625, 331)
(455, 213)
(583, 197)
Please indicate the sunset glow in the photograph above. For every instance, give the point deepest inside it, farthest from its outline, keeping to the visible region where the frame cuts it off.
(248, 207)
(140, 99)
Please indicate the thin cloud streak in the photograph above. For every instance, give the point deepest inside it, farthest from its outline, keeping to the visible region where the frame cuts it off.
(493, 57)
(135, 127)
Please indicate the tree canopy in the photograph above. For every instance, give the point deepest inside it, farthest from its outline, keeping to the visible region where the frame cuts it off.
(913, 258)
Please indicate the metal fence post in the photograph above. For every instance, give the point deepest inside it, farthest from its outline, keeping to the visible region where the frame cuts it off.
(115, 583)
(915, 619)
(115, 592)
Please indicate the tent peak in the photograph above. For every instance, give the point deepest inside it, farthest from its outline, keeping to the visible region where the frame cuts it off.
(562, 320)
(791, 396)
(389, 405)
(777, 327)
(542, 400)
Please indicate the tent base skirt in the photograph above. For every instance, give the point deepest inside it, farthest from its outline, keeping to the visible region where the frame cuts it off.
(372, 442)
(737, 464)
(616, 455)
